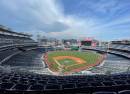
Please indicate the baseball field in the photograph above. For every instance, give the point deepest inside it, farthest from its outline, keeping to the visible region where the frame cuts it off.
(67, 62)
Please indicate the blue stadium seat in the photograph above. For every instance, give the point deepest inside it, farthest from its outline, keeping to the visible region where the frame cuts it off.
(6, 85)
(82, 85)
(37, 87)
(108, 83)
(21, 87)
(52, 87)
(107, 92)
(124, 92)
(68, 86)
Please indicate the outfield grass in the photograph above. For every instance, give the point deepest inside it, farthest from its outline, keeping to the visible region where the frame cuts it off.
(89, 57)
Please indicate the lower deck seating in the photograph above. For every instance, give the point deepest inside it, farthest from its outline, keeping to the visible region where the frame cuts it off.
(7, 52)
(24, 82)
(98, 84)
(121, 53)
(24, 59)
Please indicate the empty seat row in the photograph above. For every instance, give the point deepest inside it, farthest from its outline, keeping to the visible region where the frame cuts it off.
(109, 92)
(7, 52)
(27, 81)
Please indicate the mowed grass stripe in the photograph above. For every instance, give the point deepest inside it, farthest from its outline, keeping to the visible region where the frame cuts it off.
(89, 57)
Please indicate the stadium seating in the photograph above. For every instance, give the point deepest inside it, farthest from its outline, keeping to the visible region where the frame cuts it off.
(29, 82)
(117, 49)
(5, 53)
(120, 49)
(97, 84)
(23, 56)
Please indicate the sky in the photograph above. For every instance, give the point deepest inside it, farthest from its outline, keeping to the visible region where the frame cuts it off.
(99, 19)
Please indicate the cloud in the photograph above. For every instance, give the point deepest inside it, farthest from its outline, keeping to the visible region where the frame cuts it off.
(41, 15)
(34, 14)
(86, 18)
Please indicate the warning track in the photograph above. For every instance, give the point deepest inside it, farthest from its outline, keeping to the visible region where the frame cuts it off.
(69, 62)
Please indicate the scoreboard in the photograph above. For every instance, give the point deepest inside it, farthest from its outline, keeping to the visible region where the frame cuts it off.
(86, 43)
(89, 42)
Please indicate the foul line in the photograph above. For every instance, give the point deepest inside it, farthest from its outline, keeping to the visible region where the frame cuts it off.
(66, 66)
(57, 63)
